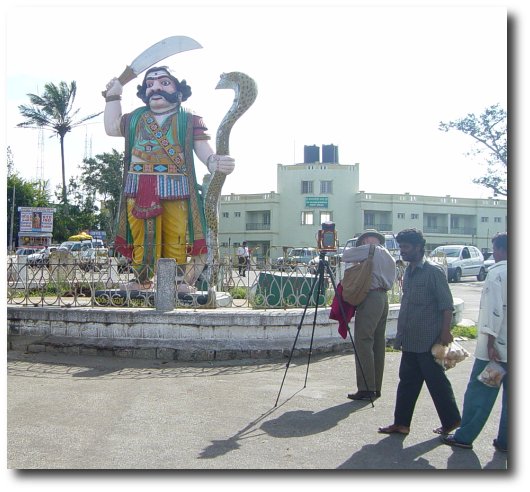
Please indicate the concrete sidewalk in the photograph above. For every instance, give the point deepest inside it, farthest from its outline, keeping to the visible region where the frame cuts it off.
(75, 412)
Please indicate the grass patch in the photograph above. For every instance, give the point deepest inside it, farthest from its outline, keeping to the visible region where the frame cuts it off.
(464, 331)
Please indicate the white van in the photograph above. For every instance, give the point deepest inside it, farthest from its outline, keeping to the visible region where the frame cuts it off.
(75, 247)
(390, 244)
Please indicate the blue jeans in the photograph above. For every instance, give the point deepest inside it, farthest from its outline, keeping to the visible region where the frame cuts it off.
(478, 403)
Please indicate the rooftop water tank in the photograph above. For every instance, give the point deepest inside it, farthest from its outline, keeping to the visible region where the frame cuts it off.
(311, 154)
(330, 154)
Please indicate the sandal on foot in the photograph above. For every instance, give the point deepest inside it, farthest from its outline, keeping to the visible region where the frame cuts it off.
(498, 447)
(447, 430)
(394, 429)
(451, 441)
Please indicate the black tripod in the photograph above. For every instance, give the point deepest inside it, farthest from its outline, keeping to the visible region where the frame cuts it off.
(323, 266)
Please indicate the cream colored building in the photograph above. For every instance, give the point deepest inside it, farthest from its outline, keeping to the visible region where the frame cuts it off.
(310, 193)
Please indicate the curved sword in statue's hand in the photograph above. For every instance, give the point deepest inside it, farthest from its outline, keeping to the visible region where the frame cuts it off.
(154, 54)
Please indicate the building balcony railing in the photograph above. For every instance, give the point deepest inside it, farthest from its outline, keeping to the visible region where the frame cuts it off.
(463, 230)
(257, 226)
(436, 230)
(379, 227)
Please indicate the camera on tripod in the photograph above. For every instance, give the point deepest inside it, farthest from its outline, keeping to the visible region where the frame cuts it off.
(327, 237)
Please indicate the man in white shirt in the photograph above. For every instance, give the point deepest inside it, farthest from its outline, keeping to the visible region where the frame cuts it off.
(371, 314)
(243, 257)
(492, 345)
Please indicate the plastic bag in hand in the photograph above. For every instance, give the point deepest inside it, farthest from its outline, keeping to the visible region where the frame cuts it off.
(492, 374)
(448, 356)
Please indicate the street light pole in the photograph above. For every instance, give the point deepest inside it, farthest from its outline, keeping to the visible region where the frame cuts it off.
(12, 219)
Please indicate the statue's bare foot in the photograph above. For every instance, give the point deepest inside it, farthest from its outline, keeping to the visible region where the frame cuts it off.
(137, 285)
(184, 288)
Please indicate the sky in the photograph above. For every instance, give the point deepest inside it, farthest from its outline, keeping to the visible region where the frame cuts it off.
(375, 81)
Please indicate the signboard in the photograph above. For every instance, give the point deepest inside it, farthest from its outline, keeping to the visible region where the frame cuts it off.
(36, 219)
(98, 234)
(316, 201)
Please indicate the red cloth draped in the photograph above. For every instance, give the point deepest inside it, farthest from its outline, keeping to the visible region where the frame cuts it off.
(147, 201)
(336, 313)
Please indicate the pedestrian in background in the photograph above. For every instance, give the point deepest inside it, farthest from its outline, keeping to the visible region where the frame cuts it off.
(371, 315)
(425, 317)
(492, 345)
(243, 258)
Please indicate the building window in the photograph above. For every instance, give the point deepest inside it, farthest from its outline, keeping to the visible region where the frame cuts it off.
(369, 219)
(400, 215)
(484, 219)
(225, 215)
(307, 187)
(431, 222)
(326, 217)
(237, 214)
(414, 216)
(326, 187)
(307, 218)
(497, 219)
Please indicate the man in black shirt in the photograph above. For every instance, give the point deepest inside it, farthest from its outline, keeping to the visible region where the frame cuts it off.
(425, 317)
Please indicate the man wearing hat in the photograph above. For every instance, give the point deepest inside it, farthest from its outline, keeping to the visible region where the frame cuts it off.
(161, 213)
(371, 314)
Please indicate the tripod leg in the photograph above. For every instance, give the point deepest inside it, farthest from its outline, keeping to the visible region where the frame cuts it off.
(343, 314)
(320, 275)
(296, 337)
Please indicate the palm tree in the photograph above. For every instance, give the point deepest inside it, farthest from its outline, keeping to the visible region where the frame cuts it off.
(54, 111)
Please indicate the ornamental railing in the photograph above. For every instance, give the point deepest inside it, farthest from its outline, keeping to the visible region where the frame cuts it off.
(264, 283)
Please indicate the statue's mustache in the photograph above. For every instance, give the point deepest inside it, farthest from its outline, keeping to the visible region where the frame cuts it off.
(170, 97)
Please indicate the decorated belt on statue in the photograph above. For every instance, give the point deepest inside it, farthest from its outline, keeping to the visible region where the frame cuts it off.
(154, 168)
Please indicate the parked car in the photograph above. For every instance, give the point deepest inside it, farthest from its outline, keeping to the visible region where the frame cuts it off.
(488, 263)
(94, 259)
(296, 257)
(41, 257)
(462, 261)
(27, 251)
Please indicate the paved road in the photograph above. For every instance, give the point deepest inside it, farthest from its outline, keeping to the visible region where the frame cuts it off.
(66, 412)
(470, 293)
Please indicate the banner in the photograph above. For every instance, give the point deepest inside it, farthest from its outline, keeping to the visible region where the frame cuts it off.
(36, 219)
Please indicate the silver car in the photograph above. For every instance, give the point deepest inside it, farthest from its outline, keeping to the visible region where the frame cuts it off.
(462, 261)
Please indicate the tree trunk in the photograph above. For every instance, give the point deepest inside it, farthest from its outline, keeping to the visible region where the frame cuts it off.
(61, 139)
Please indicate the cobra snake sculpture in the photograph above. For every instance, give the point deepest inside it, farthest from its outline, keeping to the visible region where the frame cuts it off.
(246, 91)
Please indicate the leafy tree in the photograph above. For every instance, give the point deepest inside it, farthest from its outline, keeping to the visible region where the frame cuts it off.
(78, 215)
(102, 178)
(54, 111)
(489, 130)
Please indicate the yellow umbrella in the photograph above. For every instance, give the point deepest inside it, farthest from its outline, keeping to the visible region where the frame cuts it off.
(80, 237)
